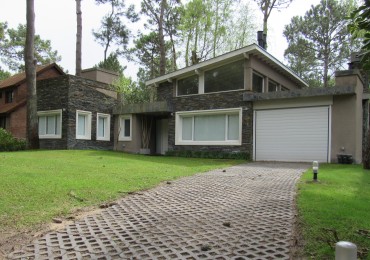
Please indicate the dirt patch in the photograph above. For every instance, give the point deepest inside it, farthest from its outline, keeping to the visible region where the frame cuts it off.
(15, 239)
(297, 243)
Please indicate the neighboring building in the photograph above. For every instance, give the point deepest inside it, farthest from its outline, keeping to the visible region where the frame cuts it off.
(75, 113)
(247, 101)
(13, 99)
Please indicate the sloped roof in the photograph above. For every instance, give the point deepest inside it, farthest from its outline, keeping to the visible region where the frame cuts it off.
(19, 78)
(10, 107)
(252, 49)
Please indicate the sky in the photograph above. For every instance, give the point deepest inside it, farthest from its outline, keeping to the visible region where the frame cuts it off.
(56, 21)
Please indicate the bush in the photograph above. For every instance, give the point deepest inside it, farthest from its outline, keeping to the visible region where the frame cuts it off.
(9, 143)
(209, 154)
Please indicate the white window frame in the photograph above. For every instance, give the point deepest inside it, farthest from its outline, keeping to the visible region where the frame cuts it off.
(51, 113)
(87, 135)
(181, 114)
(121, 136)
(106, 137)
(263, 81)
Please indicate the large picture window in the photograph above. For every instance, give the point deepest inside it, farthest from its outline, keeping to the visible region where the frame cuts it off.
(125, 128)
(225, 78)
(83, 125)
(210, 127)
(188, 86)
(103, 127)
(50, 124)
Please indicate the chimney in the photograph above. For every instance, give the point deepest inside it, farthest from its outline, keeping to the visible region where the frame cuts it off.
(261, 39)
(355, 61)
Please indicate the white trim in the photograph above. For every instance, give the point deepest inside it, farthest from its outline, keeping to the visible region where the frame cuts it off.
(50, 113)
(254, 134)
(178, 126)
(329, 135)
(121, 128)
(106, 137)
(87, 135)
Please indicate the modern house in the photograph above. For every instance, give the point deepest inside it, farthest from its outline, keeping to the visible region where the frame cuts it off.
(13, 99)
(247, 101)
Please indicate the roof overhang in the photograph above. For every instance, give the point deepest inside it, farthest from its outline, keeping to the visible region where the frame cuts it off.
(245, 53)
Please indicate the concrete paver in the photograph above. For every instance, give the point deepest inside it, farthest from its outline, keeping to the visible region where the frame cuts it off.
(246, 212)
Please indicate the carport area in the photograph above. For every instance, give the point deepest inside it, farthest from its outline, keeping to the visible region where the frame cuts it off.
(242, 212)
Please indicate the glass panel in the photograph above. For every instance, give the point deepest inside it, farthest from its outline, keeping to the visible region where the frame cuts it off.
(187, 128)
(233, 127)
(50, 127)
(209, 128)
(257, 83)
(42, 125)
(224, 78)
(127, 132)
(272, 86)
(188, 85)
(284, 88)
(82, 125)
(101, 126)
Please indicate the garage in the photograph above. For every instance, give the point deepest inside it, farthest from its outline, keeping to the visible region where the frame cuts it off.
(292, 134)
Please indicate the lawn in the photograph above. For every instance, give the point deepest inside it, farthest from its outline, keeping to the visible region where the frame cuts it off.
(338, 205)
(36, 186)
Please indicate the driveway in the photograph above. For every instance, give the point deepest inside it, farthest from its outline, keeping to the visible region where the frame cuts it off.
(242, 212)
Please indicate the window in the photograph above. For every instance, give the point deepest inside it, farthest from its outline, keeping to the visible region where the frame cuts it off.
(125, 128)
(188, 86)
(225, 78)
(273, 87)
(257, 83)
(210, 127)
(9, 96)
(83, 125)
(2, 122)
(102, 127)
(50, 124)
(284, 88)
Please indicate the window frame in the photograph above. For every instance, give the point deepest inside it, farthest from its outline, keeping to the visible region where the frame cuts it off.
(121, 136)
(107, 127)
(187, 114)
(263, 81)
(9, 96)
(50, 113)
(88, 115)
(182, 78)
(277, 87)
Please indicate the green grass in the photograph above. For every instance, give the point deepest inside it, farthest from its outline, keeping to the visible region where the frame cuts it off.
(36, 186)
(340, 201)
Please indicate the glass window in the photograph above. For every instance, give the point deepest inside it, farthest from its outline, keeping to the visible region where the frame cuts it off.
(83, 125)
(284, 88)
(125, 128)
(208, 127)
(50, 124)
(188, 86)
(257, 83)
(103, 127)
(9, 96)
(225, 78)
(273, 87)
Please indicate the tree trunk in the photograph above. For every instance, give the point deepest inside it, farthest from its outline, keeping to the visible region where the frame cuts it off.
(30, 63)
(162, 64)
(78, 38)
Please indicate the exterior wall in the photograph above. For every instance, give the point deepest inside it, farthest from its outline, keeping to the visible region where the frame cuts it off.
(101, 75)
(71, 93)
(134, 145)
(17, 123)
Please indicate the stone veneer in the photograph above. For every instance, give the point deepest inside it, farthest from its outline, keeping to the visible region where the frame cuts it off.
(71, 93)
(221, 100)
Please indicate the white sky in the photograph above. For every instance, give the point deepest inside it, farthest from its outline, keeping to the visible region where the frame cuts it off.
(56, 21)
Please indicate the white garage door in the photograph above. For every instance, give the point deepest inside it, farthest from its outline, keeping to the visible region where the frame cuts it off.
(292, 134)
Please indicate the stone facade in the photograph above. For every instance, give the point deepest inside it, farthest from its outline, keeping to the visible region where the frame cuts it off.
(71, 93)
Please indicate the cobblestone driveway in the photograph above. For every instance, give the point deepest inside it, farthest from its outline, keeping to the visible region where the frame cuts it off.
(245, 212)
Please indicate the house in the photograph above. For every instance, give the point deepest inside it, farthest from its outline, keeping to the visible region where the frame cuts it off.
(76, 112)
(13, 99)
(247, 101)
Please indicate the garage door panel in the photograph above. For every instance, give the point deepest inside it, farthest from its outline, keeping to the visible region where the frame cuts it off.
(294, 134)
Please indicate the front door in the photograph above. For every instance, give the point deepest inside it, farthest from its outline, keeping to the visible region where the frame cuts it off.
(161, 136)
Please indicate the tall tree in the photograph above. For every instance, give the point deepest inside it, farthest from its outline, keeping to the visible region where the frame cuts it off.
(266, 7)
(78, 38)
(112, 63)
(13, 48)
(113, 30)
(319, 41)
(32, 126)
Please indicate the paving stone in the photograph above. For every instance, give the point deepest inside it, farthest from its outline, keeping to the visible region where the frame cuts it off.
(186, 220)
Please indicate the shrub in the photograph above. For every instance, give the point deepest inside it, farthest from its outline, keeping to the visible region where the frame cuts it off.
(9, 143)
(209, 154)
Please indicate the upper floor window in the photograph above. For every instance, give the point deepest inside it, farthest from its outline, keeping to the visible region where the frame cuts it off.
(50, 124)
(225, 78)
(125, 128)
(188, 86)
(257, 82)
(273, 87)
(282, 88)
(103, 127)
(9, 96)
(83, 125)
